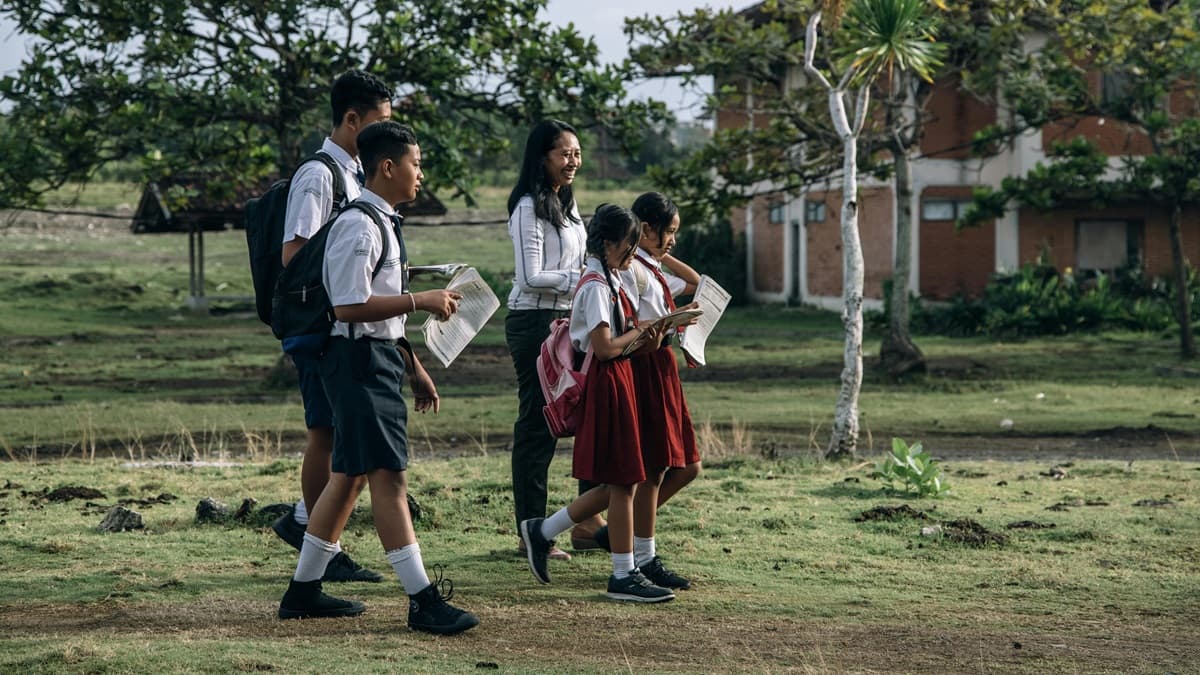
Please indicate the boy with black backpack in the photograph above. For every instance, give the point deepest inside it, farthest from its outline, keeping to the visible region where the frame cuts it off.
(319, 189)
(364, 369)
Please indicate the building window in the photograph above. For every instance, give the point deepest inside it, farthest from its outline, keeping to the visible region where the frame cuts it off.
(1107, 244)
(814, 212)
(775, 214)
(1114, 86)
(943, 209)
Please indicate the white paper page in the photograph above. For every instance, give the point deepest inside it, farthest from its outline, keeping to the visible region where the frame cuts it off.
(713, 300)
(446, 339)
(677, 318)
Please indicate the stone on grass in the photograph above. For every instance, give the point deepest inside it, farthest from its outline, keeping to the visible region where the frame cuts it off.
(119, 519)
(210, 510)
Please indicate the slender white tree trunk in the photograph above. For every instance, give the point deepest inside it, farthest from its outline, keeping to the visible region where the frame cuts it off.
(844, 440)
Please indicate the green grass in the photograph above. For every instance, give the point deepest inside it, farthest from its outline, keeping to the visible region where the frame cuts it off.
(785, 579)
(101, 352)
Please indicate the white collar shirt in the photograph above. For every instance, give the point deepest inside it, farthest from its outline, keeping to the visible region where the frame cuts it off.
(642, 284)
(352, 250)
(594, 305)
(548, 259)
(310, 196)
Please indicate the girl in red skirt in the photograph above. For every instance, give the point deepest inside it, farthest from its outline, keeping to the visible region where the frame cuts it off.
(668, 441)
(607, 446)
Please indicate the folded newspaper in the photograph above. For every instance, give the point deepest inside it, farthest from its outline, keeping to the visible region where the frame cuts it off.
(713, 299)
(446, 271)
(675, 319)
(447, 339)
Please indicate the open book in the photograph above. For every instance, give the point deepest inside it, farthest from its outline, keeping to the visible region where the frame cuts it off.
(446, 339)
(714, 300)
(673, 320)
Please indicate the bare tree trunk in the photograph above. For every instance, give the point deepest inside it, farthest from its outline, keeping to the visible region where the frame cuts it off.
(1183, 311)
(898, 354)
(844, 440)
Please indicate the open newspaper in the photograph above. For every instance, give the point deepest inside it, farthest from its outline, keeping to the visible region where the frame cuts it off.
(713, 299)
(446, 339)
(673, 320)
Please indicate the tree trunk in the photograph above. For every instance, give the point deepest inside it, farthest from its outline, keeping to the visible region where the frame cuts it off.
(1183, 312)
(844, 441)
(898, 354)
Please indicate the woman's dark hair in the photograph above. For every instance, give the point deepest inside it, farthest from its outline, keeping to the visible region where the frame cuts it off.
(357, 90)
(614, 224)
(547, 204)
(656, 210)
(383, 140)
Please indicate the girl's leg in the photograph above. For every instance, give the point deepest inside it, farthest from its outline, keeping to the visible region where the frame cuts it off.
(676, 480)
(645, 514)
(627, 582)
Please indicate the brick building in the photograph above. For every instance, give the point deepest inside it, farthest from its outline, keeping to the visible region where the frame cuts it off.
(794, 242)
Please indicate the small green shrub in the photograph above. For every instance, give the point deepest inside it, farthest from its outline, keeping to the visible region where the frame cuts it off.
(911, 469)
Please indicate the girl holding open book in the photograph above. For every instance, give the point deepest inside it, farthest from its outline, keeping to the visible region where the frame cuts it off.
(607, 445)
(667, 439)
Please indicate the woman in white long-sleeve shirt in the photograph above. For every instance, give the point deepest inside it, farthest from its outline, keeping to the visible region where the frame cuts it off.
(549, 243)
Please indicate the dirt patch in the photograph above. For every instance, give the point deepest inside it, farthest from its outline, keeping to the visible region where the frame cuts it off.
(970, 533)
(1156, 503)
(69, 492)
(891, 513)
(1029, 525)
(516, 635)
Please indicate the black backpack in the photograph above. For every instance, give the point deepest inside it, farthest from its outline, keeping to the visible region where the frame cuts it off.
(264, 231)
(300, 304)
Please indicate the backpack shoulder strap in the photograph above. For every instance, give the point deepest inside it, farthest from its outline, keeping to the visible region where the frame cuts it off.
(377, 217)
(339, 180)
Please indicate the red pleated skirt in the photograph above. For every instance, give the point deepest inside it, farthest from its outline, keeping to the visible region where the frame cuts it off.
(607, 447)
(667, 436)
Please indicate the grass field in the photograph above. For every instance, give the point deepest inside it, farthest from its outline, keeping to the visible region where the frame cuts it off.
(785, 579)
(106, 376)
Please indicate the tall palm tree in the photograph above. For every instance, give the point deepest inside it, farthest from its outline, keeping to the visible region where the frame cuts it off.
(877, 38)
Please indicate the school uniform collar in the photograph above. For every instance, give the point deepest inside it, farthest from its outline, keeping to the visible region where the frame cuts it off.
(339, 155)
(378, 202)
(646, 256)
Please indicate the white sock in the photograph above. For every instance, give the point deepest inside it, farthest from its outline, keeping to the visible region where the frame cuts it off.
(300, 515)
(315, 555)
(622, 564)
(643, 550)
(409, 568)
(557, 524)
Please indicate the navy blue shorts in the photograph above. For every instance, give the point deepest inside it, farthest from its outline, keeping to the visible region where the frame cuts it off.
(317, 411)
(370, 430)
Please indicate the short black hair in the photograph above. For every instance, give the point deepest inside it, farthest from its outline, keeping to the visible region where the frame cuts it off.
(382, 140)
(357, 90)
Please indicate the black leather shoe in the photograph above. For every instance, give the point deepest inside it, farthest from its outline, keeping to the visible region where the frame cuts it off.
(289, 530)
(304, 600)
(342, 568)
(429, 610)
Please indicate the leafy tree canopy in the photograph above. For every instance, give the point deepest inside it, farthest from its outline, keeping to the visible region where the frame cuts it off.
(235, 89)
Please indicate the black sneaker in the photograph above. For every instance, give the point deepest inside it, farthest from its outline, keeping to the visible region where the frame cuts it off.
(304, 600)
(342, 568)
(601, 537)
(289, 530)
(657, 573)
(637, 588)
(537, 548)
(429, 610)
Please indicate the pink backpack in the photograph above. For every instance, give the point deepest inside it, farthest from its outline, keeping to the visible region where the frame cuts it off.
(563, 384)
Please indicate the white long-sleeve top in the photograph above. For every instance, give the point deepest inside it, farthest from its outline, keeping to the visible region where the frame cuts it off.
(548, 259)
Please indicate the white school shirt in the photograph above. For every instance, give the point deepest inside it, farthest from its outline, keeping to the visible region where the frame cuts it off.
(351, 252)
(548, 259)
(650, 303)
(593, 305)
(310, 196)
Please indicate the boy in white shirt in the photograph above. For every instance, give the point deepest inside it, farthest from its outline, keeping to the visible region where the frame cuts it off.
(364, 367)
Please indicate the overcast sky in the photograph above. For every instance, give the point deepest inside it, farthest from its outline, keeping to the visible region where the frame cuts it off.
(601, 19)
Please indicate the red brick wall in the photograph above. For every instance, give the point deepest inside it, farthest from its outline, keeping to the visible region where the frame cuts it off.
(1056, 231)
(954, 117)
(824, 242)
(953, 262)
(769, 251)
